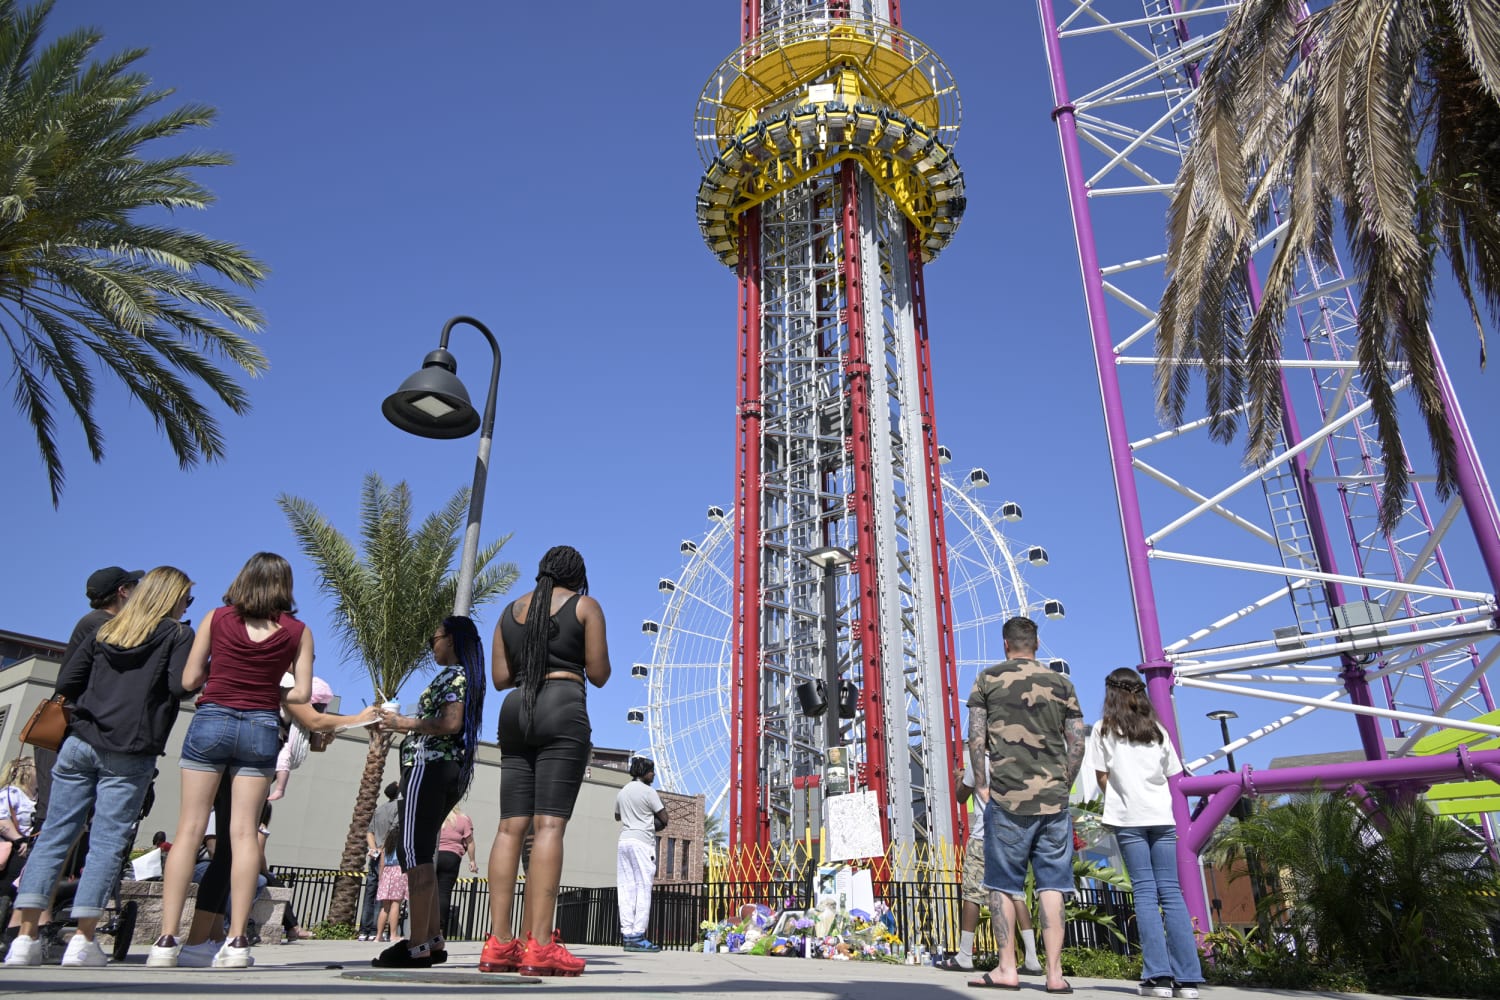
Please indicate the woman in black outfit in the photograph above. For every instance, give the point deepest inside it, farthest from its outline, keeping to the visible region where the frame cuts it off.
(547, 644)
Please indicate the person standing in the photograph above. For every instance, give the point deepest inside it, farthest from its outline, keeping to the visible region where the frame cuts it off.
(455, 839)
(547, 644)
(1132, 758)
(239, 656)
(974, 893)
(125, 682)
(381, 822)
(107, 591)
(437, 764)
(641, 814)
(1026, 728)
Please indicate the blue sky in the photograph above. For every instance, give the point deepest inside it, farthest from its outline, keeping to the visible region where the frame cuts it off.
(534, 166)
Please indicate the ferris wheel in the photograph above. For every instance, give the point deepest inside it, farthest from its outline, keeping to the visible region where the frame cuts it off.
(687, 706)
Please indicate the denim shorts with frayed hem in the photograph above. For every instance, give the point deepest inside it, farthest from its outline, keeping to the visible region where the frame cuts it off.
(1011, 842)
(232, 740)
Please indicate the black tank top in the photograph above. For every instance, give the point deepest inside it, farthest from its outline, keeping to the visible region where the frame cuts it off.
(564, 648)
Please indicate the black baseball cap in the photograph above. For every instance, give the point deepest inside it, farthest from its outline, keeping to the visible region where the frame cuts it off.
(103, 582)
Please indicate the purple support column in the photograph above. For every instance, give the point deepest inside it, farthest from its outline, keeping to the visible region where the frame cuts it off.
(1353, 675)
(1473, 487)
(1148, 628)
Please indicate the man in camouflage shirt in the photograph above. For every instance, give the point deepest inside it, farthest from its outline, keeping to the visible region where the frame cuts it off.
(1024, 720)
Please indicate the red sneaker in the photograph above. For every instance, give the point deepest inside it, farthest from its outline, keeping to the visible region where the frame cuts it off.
(551, 959)
(500, 956)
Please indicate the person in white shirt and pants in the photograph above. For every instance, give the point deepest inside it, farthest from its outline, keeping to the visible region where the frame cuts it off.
(641, 813)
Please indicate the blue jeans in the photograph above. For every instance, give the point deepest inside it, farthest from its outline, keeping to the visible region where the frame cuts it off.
(232, 741)
(1161, 917)
(114, 786)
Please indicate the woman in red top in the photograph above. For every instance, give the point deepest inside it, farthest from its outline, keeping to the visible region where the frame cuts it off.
(242, 649)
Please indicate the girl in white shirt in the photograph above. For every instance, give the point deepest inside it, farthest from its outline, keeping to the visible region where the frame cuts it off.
(1132, 759)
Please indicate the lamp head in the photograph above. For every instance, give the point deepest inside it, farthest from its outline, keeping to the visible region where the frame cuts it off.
(1220, 714)
(433, 403)
(830, 557)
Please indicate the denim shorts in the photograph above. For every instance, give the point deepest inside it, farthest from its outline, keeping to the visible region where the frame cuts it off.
(1012, 841)
(232, 740)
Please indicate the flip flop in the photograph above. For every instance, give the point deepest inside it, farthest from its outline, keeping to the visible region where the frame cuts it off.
(1066, 988)
(987, 982)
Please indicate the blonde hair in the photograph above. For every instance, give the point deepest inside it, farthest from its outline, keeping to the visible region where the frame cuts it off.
(154, 599)
(16, 771)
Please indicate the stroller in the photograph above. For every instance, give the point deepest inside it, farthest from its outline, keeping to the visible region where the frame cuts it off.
(118, 920)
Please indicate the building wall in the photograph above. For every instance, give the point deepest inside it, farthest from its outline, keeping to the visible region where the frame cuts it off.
(309, 825)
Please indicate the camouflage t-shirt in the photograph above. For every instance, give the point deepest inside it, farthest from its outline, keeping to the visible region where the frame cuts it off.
(1027, 706)
(447, 686)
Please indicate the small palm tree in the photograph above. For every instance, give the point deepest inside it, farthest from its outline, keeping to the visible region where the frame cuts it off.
(85, 283)
(1401, 894)
(1382, 115)
(386, 601)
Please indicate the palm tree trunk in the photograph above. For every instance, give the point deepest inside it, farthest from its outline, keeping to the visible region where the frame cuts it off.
(344, 907)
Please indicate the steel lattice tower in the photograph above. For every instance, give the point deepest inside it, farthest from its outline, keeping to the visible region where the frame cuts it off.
(1317, 609)
(829, 184)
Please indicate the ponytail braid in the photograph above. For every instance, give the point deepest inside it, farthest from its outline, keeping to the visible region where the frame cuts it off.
(470, 653)
(561, 566)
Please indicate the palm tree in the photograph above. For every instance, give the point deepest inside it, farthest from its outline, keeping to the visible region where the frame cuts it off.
(84, 282)
(1383, 115)
(386, 601)
(1426, 891)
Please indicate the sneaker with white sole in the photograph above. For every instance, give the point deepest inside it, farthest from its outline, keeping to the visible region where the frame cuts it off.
(84, 953)
(1032, 968)
(234, 954)
(198, 956)
(164, 956)
(1185, 991)
(1160, 988)
(24, 950)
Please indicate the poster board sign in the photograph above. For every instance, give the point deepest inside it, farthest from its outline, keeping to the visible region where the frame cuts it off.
(836, 779)
(854, 827)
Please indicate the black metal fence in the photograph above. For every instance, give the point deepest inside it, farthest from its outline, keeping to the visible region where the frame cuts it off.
(926, 913)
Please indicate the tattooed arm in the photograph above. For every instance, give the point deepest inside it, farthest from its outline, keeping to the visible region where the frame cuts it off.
(1075, 738)
(979, 728)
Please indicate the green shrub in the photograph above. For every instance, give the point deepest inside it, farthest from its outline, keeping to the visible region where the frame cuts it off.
(1099, 963)
(334, 932)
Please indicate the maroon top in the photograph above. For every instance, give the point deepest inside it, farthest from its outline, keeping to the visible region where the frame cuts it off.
(243, 673)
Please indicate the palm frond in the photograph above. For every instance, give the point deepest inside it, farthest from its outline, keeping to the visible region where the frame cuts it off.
(84, 284)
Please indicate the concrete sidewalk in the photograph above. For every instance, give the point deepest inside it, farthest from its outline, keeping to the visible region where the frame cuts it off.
(342, 969)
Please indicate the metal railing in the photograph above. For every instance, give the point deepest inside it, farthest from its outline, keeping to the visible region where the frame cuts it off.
(926, 913)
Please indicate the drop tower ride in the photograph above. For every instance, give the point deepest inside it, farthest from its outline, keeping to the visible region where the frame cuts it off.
(829, 185)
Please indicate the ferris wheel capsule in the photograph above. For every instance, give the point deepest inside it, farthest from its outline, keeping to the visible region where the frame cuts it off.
(636, 716)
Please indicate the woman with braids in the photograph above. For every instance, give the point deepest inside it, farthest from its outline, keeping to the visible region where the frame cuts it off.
(1132, 760)
(546, 645)
(437, 764)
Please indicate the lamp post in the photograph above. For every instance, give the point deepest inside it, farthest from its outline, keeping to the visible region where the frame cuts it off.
(1242, 811)
(1222, 717)
(830, 558)
(433, 403)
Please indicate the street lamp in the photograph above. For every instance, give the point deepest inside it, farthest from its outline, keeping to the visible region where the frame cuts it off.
(830, 558)
(1242, 810)
(1222, 717)
(433, 403)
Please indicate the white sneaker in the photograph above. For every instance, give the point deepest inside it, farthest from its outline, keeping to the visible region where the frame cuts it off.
(198, 956)
(1034, 968)
(1158, 988)
(24, 951)
(1185, 991)
(82, 952)
(230, 957)
(163, 956)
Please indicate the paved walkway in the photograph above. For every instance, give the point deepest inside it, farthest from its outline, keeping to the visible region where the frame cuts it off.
(341, 969)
